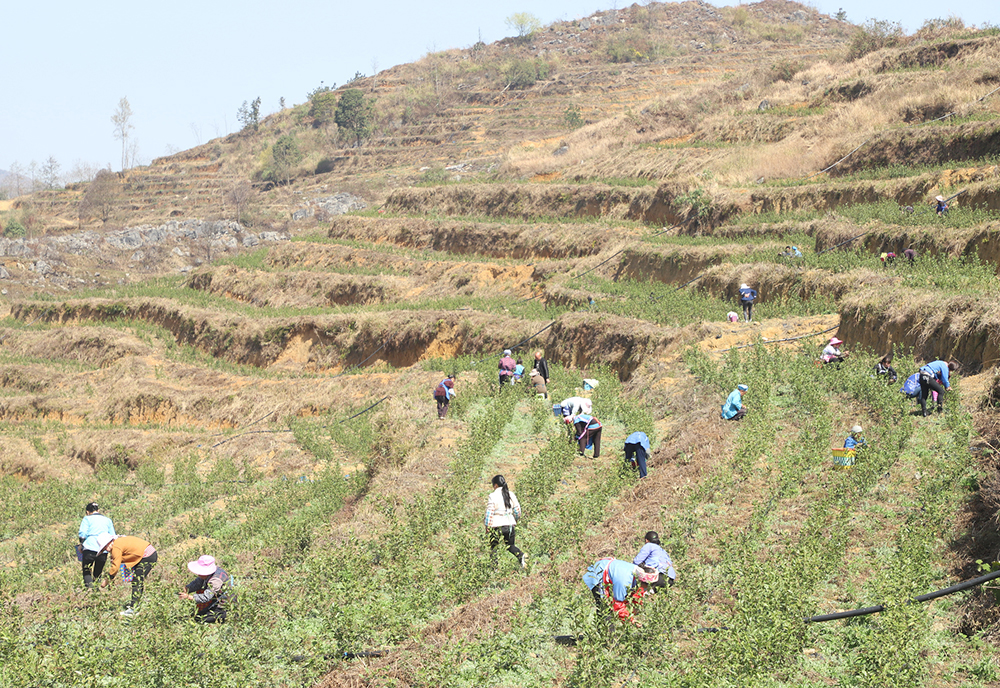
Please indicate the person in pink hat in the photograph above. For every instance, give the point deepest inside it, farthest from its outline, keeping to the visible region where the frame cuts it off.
(211, 590)
(831, 354)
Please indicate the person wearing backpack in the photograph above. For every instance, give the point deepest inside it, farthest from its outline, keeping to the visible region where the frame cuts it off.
(747, 297)
(443, 393)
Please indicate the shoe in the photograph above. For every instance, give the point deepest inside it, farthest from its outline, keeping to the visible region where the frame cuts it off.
(926, 413)
(128, 611)
(524, 560)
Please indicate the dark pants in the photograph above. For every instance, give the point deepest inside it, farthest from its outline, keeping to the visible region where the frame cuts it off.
(214, 614)
(504, 380)
(507, 533)
(588, 436)
(442, 406)
(739, 415)
(636, 454)
(748, 310)
(928, 384)
(93, 566)
(139, 573)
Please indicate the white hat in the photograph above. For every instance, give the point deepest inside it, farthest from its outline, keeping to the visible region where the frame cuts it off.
(856, 429)
(204, 566)
(103, 540)
(506, 352)
(587, 406)
(744, 286)
(939, 198)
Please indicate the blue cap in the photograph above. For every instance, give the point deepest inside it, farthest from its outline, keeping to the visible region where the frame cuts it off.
(742, 388)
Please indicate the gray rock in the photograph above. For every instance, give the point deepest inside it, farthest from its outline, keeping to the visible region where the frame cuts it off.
(3, 273)
(250, 240)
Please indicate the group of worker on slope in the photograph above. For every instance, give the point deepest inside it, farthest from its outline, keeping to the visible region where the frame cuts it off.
(134, 558)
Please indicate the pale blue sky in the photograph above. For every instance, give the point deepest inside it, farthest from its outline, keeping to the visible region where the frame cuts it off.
(187, 65)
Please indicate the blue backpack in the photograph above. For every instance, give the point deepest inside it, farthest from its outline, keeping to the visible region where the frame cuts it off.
(911, 388)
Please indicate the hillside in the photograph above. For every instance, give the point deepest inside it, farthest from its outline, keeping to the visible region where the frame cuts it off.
(235, 357)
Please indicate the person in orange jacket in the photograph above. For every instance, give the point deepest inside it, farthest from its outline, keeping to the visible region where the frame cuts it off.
(136, 554)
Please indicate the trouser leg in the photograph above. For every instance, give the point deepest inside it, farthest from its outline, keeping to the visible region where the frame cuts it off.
(936, 386)
(508, 537)
(139, 573)
(640, 459)
(88, 568)
(595, 436)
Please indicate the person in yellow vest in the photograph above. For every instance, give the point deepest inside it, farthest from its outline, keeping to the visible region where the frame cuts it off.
(136, 554)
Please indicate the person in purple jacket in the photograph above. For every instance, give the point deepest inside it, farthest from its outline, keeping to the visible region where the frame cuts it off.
(934, 377)
(506, 368)
(652, 557)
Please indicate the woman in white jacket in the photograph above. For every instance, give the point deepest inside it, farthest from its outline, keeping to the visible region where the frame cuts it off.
(502, 513)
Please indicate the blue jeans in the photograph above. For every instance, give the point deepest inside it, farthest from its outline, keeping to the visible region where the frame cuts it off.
(639, 453)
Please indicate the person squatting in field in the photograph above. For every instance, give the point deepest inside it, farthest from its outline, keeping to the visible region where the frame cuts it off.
(620, 583)
(503, 511)
(443, 393)
(652, 557)
(137, 555)
(211, 590)
(92, 525)
(733, 408)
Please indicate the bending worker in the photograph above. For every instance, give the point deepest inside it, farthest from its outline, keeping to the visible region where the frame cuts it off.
(622, 583)
(137, 555)
(93, 524)
(652, 557)
(934, 378)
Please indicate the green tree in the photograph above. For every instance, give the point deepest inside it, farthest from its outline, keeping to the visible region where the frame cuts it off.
(322, 106)
(14, 229)
(354, 114)
(524, 23)
(249, 115)
(286, 154)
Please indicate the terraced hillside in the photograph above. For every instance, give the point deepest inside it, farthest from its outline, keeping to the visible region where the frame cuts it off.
(260, 389)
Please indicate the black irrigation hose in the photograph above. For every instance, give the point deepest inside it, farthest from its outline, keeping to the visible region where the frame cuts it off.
(366, 410)
(598, 265)
(787, 339)
(846, 241)
(922, 598)
(258, 432)
(691, 281)
(349, 368)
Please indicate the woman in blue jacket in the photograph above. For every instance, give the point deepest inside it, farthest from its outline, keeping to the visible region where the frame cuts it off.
(934, 377)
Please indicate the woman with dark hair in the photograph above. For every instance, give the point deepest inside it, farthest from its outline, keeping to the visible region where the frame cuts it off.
(884, 368)
(934, 378)
(93, 524)
(502, 513)
(652, 557)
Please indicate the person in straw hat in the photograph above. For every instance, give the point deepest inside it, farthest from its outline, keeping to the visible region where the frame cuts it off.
(211, 590)
(940, 205)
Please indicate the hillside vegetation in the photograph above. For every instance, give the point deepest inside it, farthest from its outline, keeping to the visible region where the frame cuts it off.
(230, 364)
